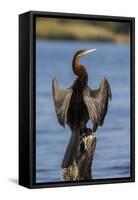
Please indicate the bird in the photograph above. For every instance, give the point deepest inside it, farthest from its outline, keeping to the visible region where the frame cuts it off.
(78, 104)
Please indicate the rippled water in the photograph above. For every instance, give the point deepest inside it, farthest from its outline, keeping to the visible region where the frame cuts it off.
(112, 156)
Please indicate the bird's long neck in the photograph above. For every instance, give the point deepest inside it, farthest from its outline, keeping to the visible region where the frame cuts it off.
(79, 70)
(75, 66)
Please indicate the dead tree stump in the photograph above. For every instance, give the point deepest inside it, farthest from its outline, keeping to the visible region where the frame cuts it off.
(81, 167)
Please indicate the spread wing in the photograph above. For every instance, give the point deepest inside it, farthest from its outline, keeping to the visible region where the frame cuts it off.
(61, 98)
(97, 102)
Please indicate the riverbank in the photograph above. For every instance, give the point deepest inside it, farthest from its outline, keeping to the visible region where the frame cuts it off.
(54, 29)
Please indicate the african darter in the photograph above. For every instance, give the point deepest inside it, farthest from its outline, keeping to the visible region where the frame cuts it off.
(76, 105)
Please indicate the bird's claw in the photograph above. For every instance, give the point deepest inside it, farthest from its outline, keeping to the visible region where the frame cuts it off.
(86, 132)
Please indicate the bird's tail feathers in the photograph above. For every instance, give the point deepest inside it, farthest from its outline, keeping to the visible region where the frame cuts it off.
(72, 148)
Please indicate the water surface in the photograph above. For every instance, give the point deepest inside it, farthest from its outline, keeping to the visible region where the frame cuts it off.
(112, 155)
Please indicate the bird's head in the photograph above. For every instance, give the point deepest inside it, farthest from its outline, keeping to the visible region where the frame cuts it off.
(81, 53)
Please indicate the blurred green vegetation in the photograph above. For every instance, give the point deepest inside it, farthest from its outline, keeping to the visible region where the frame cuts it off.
(53, 28)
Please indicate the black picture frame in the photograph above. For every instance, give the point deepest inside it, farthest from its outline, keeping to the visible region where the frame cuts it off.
(27, 98)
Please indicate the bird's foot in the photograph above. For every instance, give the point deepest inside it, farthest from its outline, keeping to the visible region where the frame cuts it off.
(86, 132)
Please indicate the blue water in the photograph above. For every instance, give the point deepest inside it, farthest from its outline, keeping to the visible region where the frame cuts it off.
(112, 155)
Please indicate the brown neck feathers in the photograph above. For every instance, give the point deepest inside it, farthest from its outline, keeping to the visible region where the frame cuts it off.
(79, 70)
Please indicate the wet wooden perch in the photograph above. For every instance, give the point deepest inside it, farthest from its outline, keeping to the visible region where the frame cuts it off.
(81, 167)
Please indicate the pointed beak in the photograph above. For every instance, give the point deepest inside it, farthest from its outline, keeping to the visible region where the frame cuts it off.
(88, 51)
